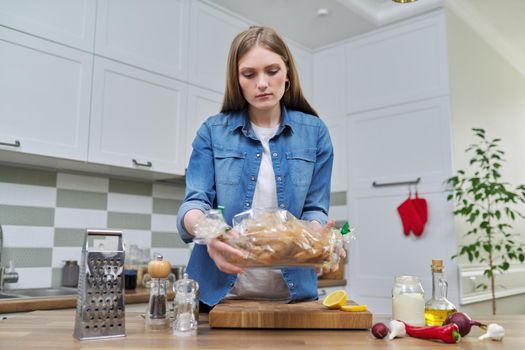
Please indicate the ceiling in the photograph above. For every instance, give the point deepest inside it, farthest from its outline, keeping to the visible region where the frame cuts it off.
(298, 19)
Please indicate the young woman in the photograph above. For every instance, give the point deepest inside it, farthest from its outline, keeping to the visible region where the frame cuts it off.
(266, 149)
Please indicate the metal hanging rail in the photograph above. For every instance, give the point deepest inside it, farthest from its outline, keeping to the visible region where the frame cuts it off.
(385, 184)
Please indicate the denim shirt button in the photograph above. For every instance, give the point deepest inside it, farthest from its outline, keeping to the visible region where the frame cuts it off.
(290, 284)
(275, 154)
(246, 204)
(258, 155)
(252, 178)
(281, 205)
(279, 178)
(231, 284)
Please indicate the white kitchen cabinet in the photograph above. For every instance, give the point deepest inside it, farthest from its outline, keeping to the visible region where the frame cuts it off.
(329, 88)
(137, 119)
(338, 134)
(304, 62)
(211, 34)
(382, 251)
(388, 145)
(202, 103)
(398, 64)
(395, 84)
(152, 35)
(401, 143)
(395, 144)
(70, 22)
(44, 97)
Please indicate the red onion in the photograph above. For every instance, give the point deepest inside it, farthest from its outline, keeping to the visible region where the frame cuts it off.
(380, 330)
(464, 322)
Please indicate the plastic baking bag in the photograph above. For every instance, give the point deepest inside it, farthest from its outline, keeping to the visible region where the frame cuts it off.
(273, 238)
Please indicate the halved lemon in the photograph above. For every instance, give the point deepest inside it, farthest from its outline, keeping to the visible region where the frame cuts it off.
(353, 308)
(335, 300)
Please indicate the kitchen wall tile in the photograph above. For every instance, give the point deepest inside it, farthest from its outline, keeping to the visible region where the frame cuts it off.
(166, 206)
(69, 237)
(128, 203)
(32, 277)
(81, 199)
(27, 195)
(44, 216)
(28, 236)
(142, 238)
(80, 218)
(168, 191)
(161, 222)
(82, 183)
(28, 257)
(61, 254)
(27, 176)
(56, 277)
(167, 239)
(338, 198)
(130, 187)
(176, 256)
(27, 216)
(132, 221)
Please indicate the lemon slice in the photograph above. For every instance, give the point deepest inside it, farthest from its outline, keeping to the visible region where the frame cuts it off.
(335, 299)
(353, 308)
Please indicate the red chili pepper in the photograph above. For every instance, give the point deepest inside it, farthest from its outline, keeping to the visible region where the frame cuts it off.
(448, 334)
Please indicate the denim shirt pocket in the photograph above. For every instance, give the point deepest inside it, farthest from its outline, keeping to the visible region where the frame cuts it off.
(301, 165)
(228, 165)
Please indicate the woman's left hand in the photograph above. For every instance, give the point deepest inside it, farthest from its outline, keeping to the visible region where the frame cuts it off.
(326, 229)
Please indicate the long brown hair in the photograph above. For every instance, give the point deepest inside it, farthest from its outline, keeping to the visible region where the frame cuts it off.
(268, 38)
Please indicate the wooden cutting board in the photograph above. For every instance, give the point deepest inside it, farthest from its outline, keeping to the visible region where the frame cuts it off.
(272, 314)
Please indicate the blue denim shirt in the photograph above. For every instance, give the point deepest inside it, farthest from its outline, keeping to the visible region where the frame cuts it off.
(223, 170)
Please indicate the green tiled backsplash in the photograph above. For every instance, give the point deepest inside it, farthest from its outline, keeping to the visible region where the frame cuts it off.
(82, 199)
(45, 214)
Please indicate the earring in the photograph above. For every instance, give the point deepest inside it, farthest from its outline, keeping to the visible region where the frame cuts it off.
(286, 87)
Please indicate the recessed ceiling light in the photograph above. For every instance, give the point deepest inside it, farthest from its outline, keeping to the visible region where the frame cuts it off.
(322, 12)
(404, 1)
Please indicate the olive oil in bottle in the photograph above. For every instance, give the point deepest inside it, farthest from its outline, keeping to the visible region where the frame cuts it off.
(438, 307)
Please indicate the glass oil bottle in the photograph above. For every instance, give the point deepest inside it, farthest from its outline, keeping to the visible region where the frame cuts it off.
(438, 307)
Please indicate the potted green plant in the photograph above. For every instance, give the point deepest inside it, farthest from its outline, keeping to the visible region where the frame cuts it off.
(488, 205)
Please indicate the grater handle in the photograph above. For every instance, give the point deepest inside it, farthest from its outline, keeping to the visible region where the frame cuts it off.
(105, 233)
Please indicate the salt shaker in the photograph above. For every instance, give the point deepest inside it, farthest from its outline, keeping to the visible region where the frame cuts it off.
(186, 306)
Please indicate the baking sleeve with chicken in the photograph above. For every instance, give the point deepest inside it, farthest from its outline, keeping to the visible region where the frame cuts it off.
(273, 237)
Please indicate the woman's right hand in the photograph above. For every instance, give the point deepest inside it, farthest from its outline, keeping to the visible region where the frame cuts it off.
(218, 250)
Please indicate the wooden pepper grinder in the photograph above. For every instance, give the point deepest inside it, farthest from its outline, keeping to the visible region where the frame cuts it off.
(157, 280)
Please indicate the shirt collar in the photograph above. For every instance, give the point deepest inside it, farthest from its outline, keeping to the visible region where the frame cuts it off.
(239, 119)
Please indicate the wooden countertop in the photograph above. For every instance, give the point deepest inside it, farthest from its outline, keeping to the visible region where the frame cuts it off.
(54, 329)
(139, 295)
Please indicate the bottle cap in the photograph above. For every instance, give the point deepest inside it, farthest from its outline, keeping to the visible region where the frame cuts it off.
(437, 264)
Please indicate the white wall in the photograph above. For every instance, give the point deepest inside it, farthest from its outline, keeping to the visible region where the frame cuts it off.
(486, 92)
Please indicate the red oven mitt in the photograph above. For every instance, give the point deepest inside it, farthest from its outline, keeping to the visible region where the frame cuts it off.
(410, 217)
(422, 210)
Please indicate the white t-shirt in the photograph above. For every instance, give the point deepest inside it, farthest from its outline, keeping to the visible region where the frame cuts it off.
(262, 283)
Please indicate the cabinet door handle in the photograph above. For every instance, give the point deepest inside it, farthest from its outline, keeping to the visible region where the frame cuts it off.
(148, 164)
(14, 144)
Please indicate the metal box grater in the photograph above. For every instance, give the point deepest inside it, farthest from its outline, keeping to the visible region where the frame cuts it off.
(100, 299)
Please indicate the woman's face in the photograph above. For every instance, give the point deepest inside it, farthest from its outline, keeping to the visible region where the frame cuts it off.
(262, 76)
